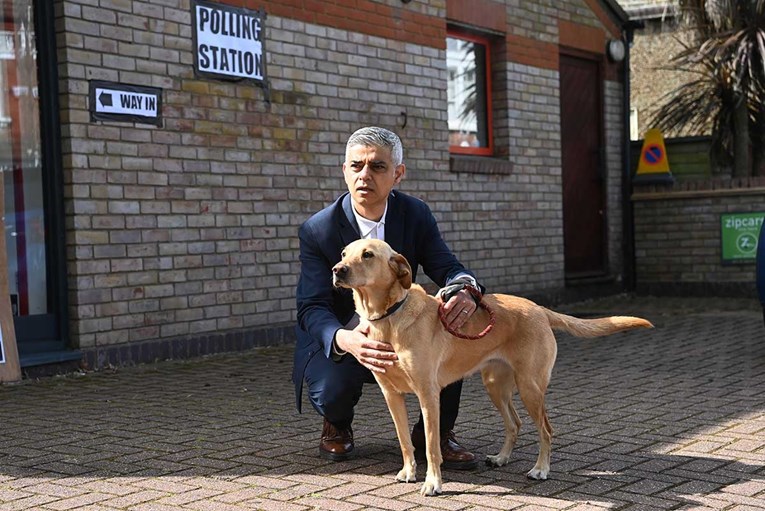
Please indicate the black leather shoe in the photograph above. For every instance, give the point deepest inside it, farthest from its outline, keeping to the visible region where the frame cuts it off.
(336, 443)
(455, 457)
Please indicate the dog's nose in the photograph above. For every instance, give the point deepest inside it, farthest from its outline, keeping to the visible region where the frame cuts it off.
(340, 270)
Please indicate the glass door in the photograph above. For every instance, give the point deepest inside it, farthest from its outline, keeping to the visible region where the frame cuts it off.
(22, 162)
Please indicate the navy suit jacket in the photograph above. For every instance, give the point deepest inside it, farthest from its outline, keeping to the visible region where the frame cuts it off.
(410, 229)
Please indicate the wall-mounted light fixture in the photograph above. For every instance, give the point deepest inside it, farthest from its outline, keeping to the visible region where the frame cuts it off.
(615, 50)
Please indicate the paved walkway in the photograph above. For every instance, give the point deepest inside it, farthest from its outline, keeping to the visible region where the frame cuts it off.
(672, 418)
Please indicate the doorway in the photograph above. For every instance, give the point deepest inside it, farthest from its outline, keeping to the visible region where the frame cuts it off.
(582, 150)
(29, 157)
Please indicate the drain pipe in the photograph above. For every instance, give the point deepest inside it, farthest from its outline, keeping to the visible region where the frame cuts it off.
(628, 224)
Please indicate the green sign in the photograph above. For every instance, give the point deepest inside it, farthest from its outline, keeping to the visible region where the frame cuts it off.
(739, 235)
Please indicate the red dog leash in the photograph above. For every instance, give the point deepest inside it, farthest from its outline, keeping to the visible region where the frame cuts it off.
(479, 298)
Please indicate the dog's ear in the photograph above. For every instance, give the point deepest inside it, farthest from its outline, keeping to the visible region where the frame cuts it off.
(401, 269)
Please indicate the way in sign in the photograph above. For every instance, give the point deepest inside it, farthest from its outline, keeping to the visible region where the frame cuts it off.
(125, 102)
(134, 102)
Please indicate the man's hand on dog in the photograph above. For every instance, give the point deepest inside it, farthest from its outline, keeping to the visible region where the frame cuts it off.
(374, 355)
(459, 309)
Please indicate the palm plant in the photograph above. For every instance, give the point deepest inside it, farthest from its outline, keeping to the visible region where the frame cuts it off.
(726, 59)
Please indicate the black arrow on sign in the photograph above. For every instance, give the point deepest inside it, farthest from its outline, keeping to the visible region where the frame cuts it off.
(105, 99)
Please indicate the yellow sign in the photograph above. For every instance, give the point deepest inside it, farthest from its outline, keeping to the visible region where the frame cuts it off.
(653, 165)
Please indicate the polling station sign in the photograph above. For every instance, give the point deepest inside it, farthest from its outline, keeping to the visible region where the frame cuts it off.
(739, 235)
(229, 42)
(111, 101)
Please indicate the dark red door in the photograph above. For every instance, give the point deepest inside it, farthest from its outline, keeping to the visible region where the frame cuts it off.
(583, 187)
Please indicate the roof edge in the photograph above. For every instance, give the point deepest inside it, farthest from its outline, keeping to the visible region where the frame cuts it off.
(648, 12)
(616, 12)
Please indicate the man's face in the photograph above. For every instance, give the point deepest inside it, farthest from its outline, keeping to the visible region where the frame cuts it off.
(370, 175)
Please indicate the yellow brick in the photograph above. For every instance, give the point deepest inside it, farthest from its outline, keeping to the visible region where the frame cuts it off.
(284, 133)
(197, 87)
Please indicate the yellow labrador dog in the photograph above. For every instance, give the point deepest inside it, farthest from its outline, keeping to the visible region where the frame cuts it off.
(519, 352)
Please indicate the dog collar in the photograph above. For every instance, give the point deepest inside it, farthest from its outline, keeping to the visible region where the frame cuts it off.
(396, 306)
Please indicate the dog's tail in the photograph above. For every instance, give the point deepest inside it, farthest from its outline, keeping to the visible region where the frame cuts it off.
(594, 327)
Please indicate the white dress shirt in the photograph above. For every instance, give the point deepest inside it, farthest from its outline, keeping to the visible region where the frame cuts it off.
(369, 229)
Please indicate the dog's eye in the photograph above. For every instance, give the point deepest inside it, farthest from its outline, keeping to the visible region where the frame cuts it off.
(367, 255)
(343, 255)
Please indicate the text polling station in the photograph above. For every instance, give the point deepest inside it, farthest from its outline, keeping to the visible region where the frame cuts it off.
(229, 41)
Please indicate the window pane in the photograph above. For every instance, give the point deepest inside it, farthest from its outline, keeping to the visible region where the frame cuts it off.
(466, 93)
(20, 159)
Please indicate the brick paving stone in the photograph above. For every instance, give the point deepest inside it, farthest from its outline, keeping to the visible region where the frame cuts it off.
(238, 496)
(346, 490)
(648, 486)
(97, 507)
(555, 487)
(295, 492)
(732, 499)
(486, 501)
(24, 503)
(273, 483)
(131, 499)
(211, 505)
(165, 484)
(109, 486)
(8, 494)
(78, 501)
(319, 502)
(185, 497)
(381, 502)
(664, 502)
(154, 506)
(442, 504)
(317, 480)
(748, 488)
(581, 499)
(587, 506)
(397, 489)
(670, 418)
(597, 487)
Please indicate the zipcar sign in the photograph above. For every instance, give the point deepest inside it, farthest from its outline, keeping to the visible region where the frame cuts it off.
(229, 41)
(740, 233)
(128, 103)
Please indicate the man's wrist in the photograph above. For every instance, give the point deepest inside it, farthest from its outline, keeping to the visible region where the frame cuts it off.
(337, 353)
(336, 349)
(457, 284)
(466, 278)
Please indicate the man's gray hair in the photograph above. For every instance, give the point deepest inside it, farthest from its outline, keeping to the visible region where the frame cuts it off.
(372, 136)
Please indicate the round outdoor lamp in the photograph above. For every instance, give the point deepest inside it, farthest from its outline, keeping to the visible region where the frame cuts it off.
(615, 50)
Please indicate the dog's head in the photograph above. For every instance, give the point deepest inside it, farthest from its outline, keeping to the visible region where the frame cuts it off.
(371, 263)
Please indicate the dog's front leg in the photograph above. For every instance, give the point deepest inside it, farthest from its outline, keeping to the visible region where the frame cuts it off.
(397, 407)
(499, 381)
(430, 405)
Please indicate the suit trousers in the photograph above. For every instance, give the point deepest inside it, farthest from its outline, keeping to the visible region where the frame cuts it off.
(334, 388)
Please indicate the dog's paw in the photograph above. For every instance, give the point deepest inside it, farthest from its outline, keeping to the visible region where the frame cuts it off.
(407, 475)
(497, 460)
(430, 487)
(538, 474)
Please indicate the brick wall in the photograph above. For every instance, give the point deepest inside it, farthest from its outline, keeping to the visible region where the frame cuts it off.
(188, 231)
(677, 237)
(652, 76)
(677, 229)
